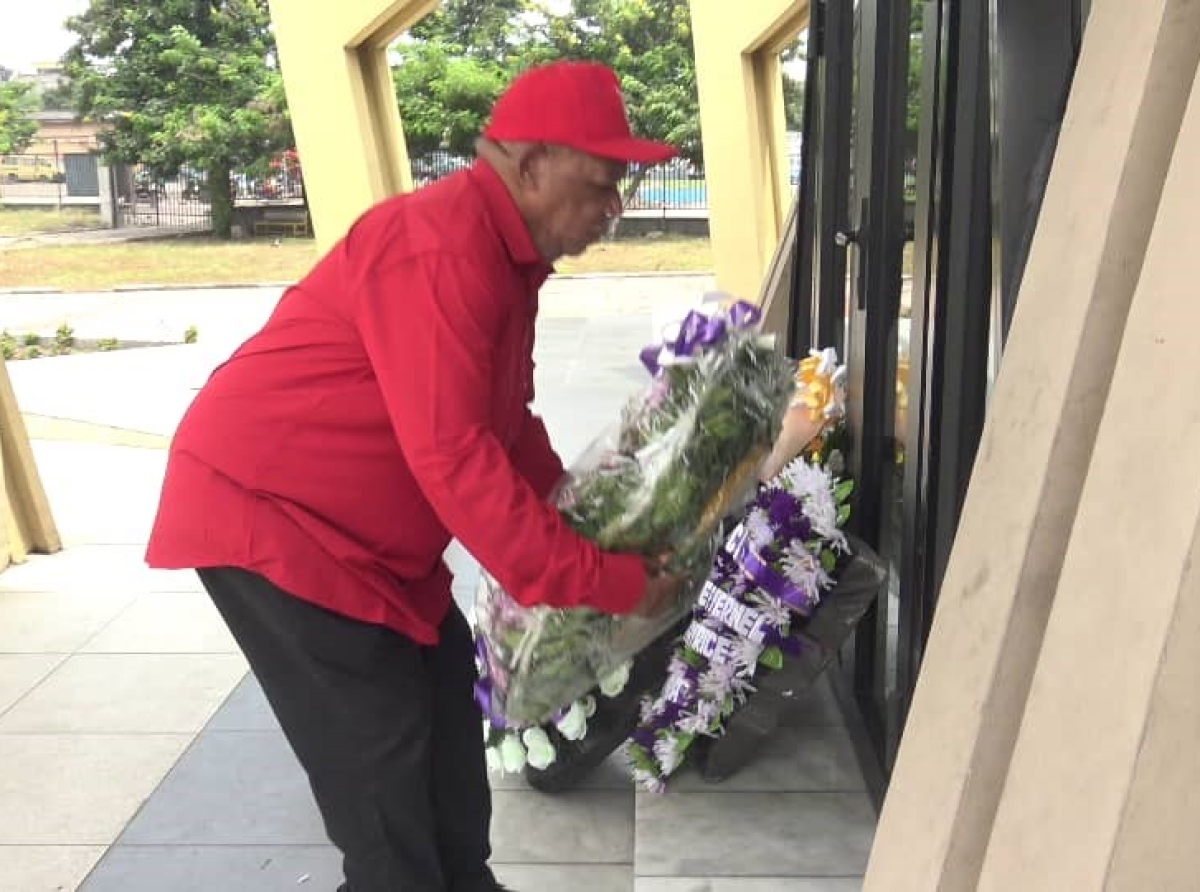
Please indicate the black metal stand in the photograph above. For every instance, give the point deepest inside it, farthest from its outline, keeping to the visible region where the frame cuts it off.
(823, 634)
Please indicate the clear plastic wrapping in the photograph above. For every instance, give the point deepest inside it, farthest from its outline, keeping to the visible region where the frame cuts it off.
(685, 454)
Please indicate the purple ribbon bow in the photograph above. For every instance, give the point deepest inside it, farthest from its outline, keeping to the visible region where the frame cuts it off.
(698, 331)
(485, 688)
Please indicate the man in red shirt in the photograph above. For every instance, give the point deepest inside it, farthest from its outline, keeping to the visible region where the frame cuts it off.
(321, 472)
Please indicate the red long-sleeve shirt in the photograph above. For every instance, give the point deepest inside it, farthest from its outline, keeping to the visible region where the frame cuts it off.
(383, 409)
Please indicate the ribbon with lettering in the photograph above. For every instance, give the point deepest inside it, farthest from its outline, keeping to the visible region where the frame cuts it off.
(766, 577)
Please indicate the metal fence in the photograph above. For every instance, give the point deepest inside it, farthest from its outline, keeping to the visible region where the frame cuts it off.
(677, 185)
(674, 186)
(145, 199)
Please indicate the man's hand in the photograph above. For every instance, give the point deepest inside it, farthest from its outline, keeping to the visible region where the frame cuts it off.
(662, 587)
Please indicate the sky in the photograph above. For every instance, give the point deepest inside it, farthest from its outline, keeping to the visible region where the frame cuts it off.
(36, 34)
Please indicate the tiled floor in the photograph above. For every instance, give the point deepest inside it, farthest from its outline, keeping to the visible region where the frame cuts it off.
(235, 814)
(135, 756)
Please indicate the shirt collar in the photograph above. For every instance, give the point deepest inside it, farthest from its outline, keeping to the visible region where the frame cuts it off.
(507, 218)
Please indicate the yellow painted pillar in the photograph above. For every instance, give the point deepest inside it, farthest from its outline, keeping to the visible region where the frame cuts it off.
(343, 106)
(26, 523)
(742, 123)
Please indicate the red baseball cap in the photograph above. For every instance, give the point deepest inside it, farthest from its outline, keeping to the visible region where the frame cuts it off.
(575, 104)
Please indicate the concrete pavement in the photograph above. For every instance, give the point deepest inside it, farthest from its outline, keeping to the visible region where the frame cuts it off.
(137, 755)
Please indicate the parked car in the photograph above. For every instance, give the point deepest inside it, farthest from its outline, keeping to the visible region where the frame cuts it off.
(30, 169)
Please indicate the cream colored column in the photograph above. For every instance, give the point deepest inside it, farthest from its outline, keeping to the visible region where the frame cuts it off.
(343, 107)
(742, 122)
(1130, 89)
(26, 523)
(1105, 779)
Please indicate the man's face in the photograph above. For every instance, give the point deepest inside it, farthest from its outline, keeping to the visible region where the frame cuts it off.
(577, 199)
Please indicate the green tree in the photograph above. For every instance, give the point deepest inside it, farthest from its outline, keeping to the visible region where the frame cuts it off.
(453, 65)
(793, 102)
(486, 30)
(182, 83)
(444, 97)
(450, 69)
(60, 97)
(649, 44)
(18, 102)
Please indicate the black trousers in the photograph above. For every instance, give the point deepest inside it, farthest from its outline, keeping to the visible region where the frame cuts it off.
(387, 730)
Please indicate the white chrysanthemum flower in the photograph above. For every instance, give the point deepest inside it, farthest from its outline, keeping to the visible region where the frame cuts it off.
(747, 657)
(803, 570)
(539, 750)
(612, 684)
(648, 780)
(710, 711)
(741, 689)
(693, 723)
(650, 710)
(758, 527)
(512, 754)
(714, 681)
(573, 725)
(813, 485)
(668, 750)
(774, 610)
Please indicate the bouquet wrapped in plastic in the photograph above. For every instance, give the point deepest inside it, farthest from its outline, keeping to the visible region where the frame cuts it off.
(684, 455)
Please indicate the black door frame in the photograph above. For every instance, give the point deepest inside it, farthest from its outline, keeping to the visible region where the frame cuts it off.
(973, 149)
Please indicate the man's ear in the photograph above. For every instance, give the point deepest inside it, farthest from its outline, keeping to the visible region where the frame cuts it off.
(531, 162)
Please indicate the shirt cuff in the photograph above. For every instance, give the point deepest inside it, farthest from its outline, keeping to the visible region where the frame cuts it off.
(622, 583)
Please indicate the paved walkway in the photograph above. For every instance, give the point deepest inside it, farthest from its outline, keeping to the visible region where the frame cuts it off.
(99, 236)
(137, 755)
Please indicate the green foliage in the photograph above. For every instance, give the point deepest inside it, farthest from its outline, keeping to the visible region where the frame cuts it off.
(649, 44)
(444, 98)
(456, 61)
(793, 102)
(18, 102)
(916, 44)
(59, 98)
(481, 30)
(64, 338)
(191, 334)
(182, 83)
(771, 658)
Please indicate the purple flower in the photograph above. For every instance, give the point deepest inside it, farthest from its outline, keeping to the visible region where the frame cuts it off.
(781, 509)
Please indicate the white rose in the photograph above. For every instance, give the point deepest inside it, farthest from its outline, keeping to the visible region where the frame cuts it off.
(512, 754)
(573, 725)
(613, 684)
(540, 749)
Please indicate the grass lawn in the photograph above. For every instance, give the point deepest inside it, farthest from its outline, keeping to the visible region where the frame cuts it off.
(23, 221)
(191, 261)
